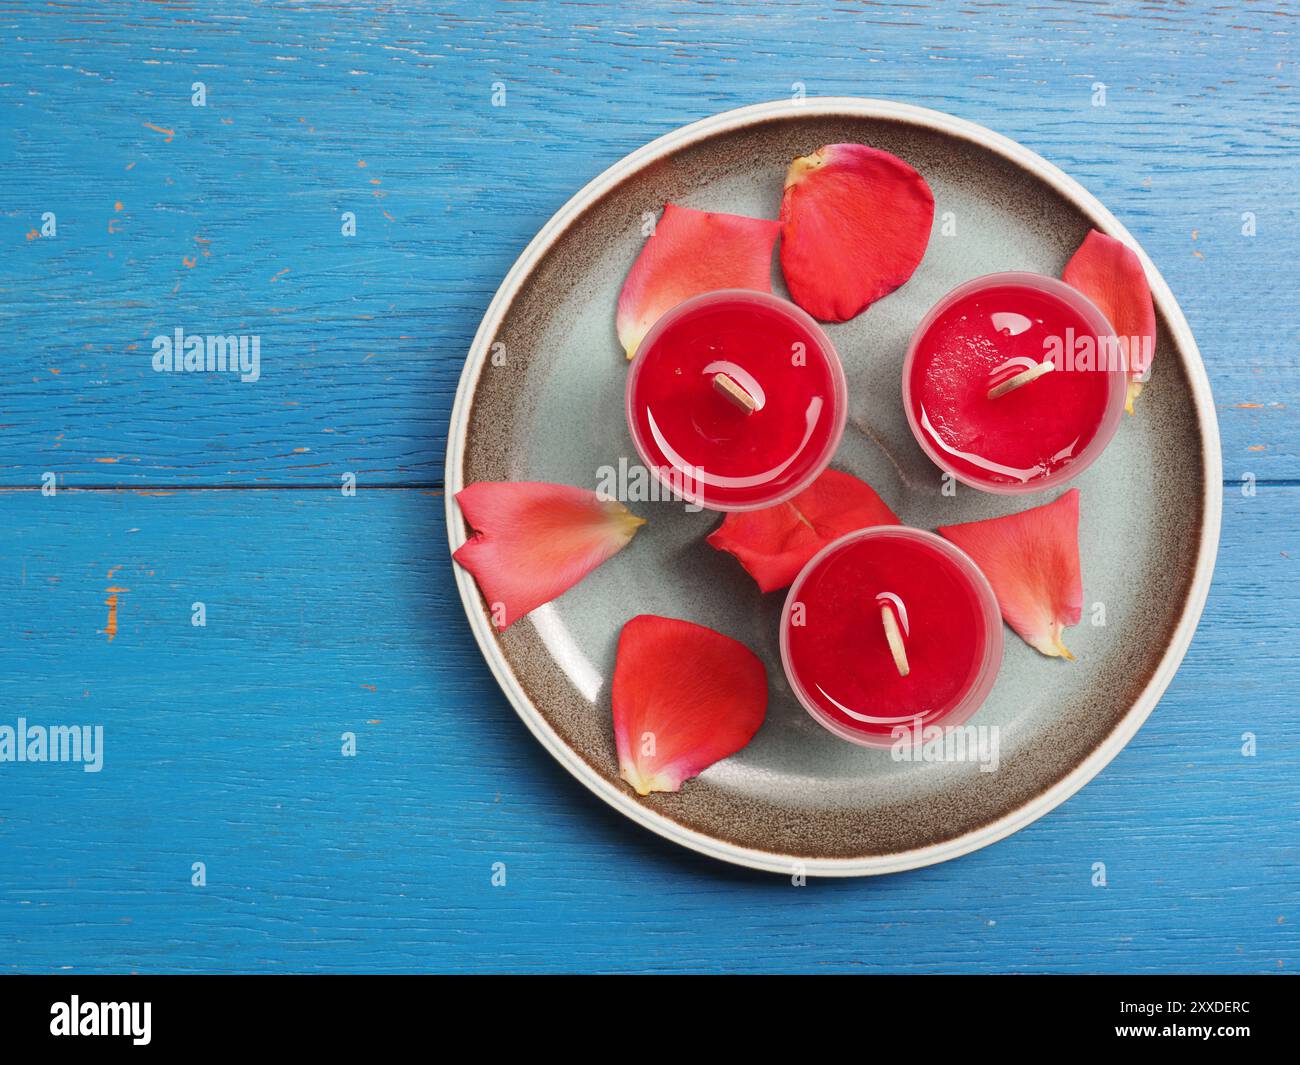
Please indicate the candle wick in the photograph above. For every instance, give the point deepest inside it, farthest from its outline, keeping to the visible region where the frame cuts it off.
(1023, 378)
(728, 387)
(895, 637)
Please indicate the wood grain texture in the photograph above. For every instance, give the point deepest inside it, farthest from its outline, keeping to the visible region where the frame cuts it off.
(328, 614)
(389, 114)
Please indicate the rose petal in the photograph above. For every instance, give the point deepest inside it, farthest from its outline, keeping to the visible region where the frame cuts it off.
(1110, 274)
(536, 541)
(855, 222)
(689, 253)
(774, 544)
(1032, 561)
(684, 697)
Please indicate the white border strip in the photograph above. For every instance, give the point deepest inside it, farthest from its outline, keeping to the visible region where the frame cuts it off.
(1212, 469)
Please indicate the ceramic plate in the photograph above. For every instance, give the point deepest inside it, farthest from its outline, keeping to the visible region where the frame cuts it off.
(550, 408)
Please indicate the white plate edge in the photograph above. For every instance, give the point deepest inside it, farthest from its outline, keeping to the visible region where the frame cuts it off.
(858, 107)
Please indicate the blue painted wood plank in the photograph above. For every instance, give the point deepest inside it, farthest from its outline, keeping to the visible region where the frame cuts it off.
(328, 614)
(228, 218)
(223, 741)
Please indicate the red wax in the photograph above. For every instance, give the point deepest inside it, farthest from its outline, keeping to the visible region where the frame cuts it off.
(688, 430)
(987, 332)
(838, 660)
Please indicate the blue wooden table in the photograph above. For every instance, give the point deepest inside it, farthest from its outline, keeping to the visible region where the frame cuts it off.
(173, 166)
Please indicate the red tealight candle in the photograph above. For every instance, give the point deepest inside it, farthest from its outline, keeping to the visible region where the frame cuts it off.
(1014, 382)
(736, 400)
(890, 627)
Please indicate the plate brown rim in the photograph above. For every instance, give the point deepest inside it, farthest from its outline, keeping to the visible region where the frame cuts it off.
(1207, 424)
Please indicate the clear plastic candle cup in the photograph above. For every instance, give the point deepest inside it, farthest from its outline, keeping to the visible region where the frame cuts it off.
(1014, 382)
(736, 400)
(890, 628)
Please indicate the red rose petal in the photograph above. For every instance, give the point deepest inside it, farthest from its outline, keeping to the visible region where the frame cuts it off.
(536, 541)
(684, 697)
(1032, 561)
(689, 253)
(1110, 274)
(855, 222)
(774, 544)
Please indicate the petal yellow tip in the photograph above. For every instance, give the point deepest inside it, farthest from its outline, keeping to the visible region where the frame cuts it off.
(624, 519)
(643, 785)
(1134, 390)
(803, 166)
